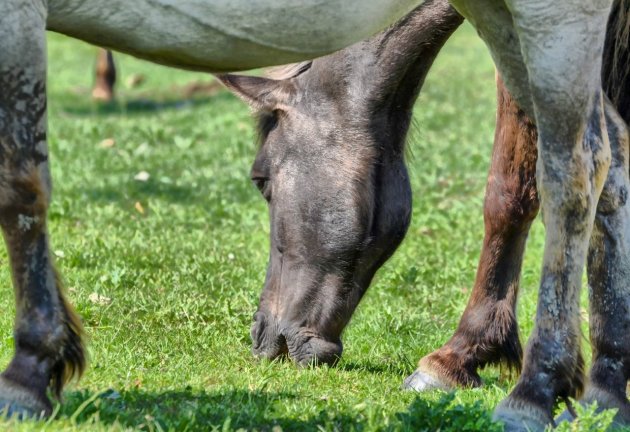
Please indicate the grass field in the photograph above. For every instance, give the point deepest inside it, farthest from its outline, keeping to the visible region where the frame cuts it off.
(166, 272)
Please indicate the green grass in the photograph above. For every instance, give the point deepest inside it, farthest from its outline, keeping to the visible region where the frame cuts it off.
(178, 284)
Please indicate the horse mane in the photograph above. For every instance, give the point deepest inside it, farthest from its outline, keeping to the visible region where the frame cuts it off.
(287, 71)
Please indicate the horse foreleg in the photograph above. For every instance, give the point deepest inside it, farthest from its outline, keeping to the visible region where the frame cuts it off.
(47, 333)
(105, 78)
(487, 332)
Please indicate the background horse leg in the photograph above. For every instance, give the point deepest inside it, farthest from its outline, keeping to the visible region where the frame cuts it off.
(105, 78)
(48, 349)
(488, 331)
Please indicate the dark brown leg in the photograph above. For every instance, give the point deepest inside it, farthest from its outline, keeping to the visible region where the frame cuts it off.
(488, 332)
(47, 334)
(105, 76)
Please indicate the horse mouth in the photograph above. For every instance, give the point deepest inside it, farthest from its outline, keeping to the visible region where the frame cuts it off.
(267, 340)
(304, 346)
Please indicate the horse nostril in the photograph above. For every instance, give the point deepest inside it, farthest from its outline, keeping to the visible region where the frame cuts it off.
(267, 342)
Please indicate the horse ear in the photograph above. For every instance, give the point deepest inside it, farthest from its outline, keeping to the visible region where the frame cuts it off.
(260, 93)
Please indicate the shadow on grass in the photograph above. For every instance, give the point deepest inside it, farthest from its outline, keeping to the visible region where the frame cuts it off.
(128, 193)
(187, 410)
(372, 368)
(131, 106)
(134, 190)
(175, 98)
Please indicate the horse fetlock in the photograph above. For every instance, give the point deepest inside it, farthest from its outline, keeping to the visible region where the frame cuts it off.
(607, 398)
(474, 345)
(24, 384)
(555, 369)
(609, 372)
(545, 381)
(19, 400)
(42, 334)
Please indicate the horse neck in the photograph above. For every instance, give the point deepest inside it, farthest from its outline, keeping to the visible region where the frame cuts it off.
(400, 58)
(378, 80)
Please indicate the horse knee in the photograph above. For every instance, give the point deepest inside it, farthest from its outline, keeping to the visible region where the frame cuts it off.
(511, 201)
(510, 207)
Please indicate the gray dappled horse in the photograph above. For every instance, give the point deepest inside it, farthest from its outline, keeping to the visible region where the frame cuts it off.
(210, 35)
(327, 241)
(550, 56)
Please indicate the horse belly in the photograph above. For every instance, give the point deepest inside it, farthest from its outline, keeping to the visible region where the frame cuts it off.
(223, 35)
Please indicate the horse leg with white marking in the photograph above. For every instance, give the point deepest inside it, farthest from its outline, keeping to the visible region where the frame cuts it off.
(488, 331)
(48, 348)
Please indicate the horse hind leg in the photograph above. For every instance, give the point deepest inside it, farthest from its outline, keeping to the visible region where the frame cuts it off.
(608, 276)
(610, 247)
(488, 332)
(47, 333)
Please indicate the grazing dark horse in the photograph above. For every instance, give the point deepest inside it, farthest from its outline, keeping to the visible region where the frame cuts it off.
(194, 34)
(327, 243)
(331, 166)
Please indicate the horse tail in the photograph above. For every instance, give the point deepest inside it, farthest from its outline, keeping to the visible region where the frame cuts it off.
(616, 59)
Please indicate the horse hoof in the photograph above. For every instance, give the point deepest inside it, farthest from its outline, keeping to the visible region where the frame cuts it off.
(102, 95)
(19, 403)
(522, 418)
(421, 382)
(16, 410)
(565, 416)
(605, 399)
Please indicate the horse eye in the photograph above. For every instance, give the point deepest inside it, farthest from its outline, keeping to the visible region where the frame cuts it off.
(263, 185)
